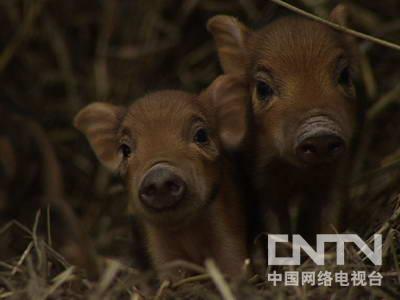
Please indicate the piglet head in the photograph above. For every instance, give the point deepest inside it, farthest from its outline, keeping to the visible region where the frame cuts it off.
(169, 146)
(300, 76)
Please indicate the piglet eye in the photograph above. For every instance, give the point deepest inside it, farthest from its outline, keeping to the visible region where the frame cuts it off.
(345, 77)
(125, 150)
(264, 91)
(201, 136)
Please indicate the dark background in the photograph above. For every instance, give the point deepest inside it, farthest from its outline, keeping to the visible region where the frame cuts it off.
(58, 56)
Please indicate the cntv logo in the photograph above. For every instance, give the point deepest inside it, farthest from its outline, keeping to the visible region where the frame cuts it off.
(318, 255)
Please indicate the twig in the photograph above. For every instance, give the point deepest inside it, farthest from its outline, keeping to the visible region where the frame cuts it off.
(338, 27)
(164, 285)
(219, 280)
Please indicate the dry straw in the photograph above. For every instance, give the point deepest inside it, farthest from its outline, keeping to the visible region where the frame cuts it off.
(337, 26)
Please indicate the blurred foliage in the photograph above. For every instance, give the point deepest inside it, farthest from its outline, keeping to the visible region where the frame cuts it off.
(58, 55)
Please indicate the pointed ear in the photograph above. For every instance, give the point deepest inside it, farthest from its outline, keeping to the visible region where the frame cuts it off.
(341, 15)
(230, 37)
(100, 123)
(228, 98)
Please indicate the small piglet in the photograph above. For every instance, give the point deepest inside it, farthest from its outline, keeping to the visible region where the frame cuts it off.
(300, 77)
(170, 147)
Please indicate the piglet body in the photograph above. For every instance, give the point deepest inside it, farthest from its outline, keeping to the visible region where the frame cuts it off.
(300, 77)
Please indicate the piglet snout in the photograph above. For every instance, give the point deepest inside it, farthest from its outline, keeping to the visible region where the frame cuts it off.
(161, 188)
(319, 142)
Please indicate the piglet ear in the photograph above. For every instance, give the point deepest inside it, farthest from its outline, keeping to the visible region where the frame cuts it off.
(228, 98)
(230, 38)
(100, 122)
(341, 15)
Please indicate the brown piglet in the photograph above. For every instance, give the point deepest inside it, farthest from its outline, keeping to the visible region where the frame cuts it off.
(300, 75)
(170, 147)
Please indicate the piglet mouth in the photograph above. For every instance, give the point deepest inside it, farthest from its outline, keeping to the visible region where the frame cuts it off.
(319, 142)
(162, 188)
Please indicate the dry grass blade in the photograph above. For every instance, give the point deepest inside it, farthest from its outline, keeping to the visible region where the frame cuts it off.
(219, 280)
(36, 240)
(100, 68)
(164, 285)
(337, 26)
(22, 259)
(65, 276)
(394, 249)
(25, 29)
(56, 57)
(192, 279)
(381, 105)
(48, 225)
(26, 230)
(388, 224)
(7, 266)
(6, 295)
(63, 56)
(393, 165)
(246, 268)
(53, 185)
(381, 294)
(368, 76)
(111, 271)
(181, 264)
(6, 227)
(136, 297)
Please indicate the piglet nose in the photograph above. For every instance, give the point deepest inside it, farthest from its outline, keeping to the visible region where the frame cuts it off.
(161, 188)
(321, 149)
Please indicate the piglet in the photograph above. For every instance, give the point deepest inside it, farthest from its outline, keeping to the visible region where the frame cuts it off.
(170, 147)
